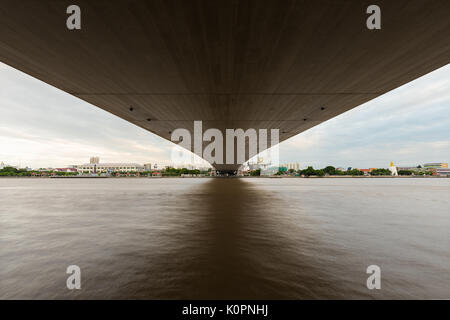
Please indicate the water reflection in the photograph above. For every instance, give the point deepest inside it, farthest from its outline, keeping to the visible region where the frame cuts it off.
(223, 238)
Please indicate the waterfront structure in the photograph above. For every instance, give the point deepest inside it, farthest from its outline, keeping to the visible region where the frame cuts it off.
(441, 172)
(94, 166)
(265, 168)
(66, 169)
(269, 171)
(282, 169)
(393, 169)
(295, 166)
(253, 166)
(366, 171)
(436, 165)
(109, 167)
(414, 169)
(192, 64)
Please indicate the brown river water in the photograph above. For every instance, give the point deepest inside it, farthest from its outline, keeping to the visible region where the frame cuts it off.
(224, 238)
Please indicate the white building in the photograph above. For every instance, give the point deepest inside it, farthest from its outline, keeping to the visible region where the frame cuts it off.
(268, 171)
(109, 167)
(293, 165)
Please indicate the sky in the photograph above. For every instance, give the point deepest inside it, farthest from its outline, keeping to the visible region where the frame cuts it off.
(42, 126)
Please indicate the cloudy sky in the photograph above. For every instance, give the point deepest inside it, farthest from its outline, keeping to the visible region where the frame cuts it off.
(41, 126)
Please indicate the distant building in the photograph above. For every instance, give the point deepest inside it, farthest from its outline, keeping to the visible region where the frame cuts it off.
(365, 171)
(436, 165)
(147, 166)
(408, 169)
(109, 167)
(65, 169)
(269, 171)
(340, 169)
(94, 160)
(2, 165)
(441, 172)
(295, 166)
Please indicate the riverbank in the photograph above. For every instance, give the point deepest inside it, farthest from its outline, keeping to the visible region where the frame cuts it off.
(241, 177)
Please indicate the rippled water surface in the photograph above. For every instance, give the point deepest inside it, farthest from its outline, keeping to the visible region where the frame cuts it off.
(224, 238)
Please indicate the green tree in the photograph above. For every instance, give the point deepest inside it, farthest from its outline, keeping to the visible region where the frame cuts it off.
(320, 173)
(309, 172)
(330, 170)
(355, 172)
(380, 172)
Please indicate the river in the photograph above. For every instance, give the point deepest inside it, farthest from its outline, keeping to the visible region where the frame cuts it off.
(224, 238)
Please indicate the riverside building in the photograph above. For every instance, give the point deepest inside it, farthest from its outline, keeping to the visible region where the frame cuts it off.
(97, 167)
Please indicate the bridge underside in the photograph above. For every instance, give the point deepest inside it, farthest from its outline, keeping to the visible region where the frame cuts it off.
(232, 64)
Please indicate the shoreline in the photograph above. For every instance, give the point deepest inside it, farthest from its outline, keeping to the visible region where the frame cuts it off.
(241, 177)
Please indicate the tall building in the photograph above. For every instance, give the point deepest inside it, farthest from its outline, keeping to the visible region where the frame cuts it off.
(94, 160)
(147, 166)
